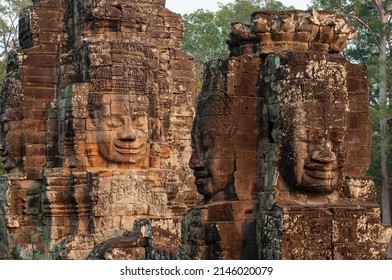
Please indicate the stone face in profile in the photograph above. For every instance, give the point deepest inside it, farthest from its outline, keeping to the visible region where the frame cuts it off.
(11, 117)
(12, 153)
(224, 130)
(224, 145)
(213, 135)
(311, 154)
(213, 157)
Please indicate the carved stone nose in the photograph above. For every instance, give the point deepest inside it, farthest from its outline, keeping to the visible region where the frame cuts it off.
(324, 153)
(128, 135)
(194, 161)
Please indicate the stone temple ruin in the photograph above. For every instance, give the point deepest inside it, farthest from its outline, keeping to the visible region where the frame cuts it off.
(97, 110)
(281, 143)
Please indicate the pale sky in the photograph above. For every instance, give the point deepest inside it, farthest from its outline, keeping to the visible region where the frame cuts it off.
(189, 6)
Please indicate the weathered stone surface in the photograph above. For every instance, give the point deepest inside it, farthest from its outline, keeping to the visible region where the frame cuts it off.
(316, 202)
(224, 140)
(96, 112)
(271, 32)
(295, 145)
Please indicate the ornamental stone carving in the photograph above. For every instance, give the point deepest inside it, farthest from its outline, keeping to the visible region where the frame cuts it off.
(288, 103)
(96, 113)
(104, 152)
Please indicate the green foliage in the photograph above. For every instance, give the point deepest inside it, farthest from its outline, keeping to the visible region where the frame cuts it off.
(3, 68)
(2, 170)
(206, 32)
(364, 49)
(375, 166)
(202, 37)
(9, 13)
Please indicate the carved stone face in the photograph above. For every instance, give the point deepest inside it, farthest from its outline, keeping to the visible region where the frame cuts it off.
(11, 119)
(122, 135)
(314, 147)
(213, 155)
(12, 142)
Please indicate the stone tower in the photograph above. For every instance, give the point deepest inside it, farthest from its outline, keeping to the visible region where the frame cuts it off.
(97, 109)
(281, 142)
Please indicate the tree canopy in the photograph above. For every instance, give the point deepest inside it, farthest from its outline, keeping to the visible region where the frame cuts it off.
(206, 32)
(9, 15)
(372, 47)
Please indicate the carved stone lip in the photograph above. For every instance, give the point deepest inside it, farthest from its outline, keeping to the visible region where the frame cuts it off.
(320, 166)
(7, 162)
(128, 145)
(320, 174)
(4, 155)
(320, 171)
(128, 150)
(201, 174)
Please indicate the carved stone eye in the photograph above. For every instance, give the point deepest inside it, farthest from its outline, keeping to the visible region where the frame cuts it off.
(207, 140)
(301, 134)
(116, 122)
(139, 120)
(338, 136)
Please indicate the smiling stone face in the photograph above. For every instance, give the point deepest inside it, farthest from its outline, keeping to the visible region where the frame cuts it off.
(314, 149)
(123, 132)
(314, 118)
(122, 128)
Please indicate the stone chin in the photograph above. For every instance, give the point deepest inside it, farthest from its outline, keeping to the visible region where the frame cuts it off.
(325, 182)
(204, 188)
(8, 163)
(322, 189)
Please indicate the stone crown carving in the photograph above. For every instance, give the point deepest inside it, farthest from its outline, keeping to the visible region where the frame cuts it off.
(271, 31)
